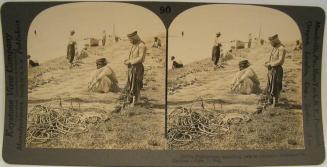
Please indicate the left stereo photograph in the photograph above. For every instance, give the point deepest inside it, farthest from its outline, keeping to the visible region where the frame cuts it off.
(96, 78)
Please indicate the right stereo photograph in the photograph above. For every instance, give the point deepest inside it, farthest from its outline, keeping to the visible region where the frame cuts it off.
(234, 79)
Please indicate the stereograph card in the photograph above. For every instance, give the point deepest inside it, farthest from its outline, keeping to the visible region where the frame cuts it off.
(162, 84)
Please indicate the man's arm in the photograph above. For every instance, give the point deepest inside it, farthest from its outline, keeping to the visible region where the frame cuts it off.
(248, 73)
(234, 79)
(105, 72)
(267, 63)
(235, 82)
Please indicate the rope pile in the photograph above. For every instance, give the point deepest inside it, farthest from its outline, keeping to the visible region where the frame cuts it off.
(189, 124)
(45, 123)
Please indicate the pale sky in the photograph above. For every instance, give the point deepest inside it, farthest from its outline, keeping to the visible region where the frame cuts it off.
(87, 19)
(200, 24)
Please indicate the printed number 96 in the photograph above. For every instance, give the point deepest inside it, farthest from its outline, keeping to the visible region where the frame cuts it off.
(165, 9)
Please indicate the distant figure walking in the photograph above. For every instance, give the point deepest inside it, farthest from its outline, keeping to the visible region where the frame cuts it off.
(182, 34)
(104, 79)
(71, 47)
(135, 67)
(246, 80)
(275, 70)
(176, 64)
(216, 49)
(104, 38)
(250, 40)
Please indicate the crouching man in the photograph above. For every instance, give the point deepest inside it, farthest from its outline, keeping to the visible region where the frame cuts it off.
(246, 80)
(104, 79)
(176, 63)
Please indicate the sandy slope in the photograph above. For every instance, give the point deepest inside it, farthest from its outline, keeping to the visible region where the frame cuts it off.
(143, 127)
(199, 79)
(215, 84)
(54, 80)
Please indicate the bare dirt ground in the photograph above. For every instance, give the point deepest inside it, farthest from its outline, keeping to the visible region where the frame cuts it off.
(54, 83)
(274, 128)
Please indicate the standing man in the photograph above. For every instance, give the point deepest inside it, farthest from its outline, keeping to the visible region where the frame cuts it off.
(135, 67)
(71, 47)
(216, 49)
(104, 38)
(275, 70)
(250, 40)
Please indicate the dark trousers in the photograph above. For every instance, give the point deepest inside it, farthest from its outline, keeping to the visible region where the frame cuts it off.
(177, 65)
(71, 53)
(215, 54)
(275, 81)
(135, 79)
(103, 41)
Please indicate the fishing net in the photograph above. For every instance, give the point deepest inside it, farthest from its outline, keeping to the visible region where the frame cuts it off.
(45, 123)
(189, 124)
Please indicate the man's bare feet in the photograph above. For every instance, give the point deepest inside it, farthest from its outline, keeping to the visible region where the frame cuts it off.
(133, 101)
